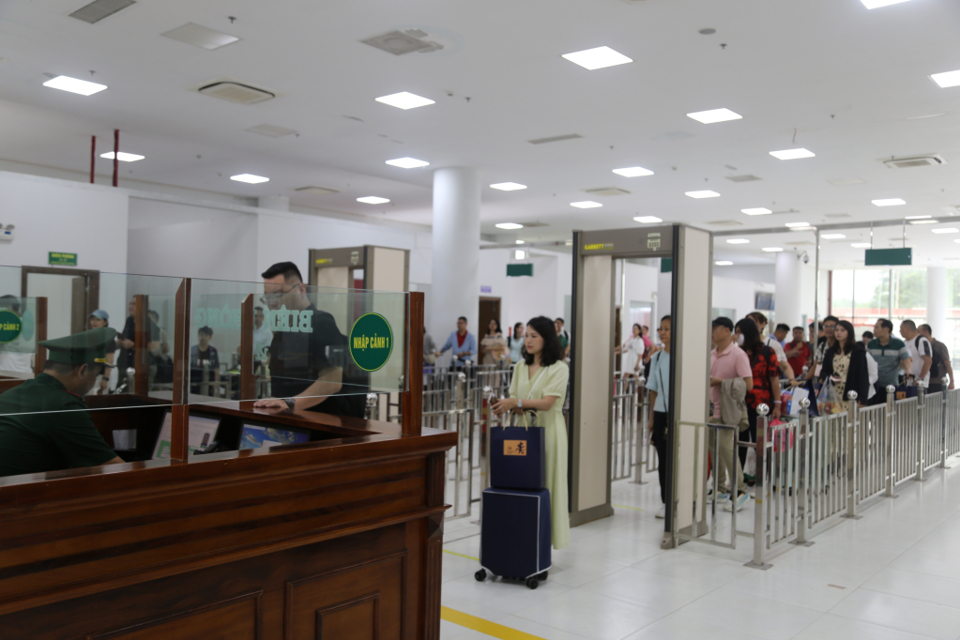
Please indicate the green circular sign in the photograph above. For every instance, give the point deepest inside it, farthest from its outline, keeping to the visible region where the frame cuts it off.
(371, 342)
(10, 326)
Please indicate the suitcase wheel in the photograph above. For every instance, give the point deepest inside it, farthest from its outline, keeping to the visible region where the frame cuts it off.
(543, 576)
(480, 575)
(533, 583)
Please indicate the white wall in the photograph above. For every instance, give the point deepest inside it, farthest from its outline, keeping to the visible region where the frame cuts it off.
(738, 294)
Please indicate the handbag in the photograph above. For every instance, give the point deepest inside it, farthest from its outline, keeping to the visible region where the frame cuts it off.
(518, 455)
(828, 400)
(780, 440)
(905, 391)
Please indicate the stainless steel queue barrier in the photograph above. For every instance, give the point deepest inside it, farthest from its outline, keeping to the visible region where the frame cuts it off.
(627, 431)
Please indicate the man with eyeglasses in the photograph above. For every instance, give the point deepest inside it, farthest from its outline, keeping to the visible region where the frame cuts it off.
(310, 367)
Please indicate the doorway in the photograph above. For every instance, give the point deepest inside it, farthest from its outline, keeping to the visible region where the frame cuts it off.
(72, 295)
(489, 309)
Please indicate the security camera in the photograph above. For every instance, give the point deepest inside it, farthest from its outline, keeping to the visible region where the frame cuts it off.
(806, 258)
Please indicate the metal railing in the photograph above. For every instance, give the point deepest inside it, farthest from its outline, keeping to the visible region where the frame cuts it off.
(813, 469)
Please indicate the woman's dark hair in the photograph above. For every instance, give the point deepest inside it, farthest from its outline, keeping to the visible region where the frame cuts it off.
(519, 325)
(497, 330)
(552, 351)
(638, 327)
(751, 336)
(851, 342)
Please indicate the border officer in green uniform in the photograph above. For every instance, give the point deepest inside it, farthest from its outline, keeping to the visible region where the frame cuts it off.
(44, 424)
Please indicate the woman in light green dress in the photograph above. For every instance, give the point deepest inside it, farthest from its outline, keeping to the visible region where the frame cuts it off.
(540, 384)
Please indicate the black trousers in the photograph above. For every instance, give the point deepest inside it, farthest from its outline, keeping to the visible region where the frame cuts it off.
(935, 388)
(660, 444)
(748, 435)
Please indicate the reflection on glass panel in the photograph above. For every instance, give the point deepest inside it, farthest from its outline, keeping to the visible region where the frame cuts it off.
(909, 293)
(871, 298)
(842, 291)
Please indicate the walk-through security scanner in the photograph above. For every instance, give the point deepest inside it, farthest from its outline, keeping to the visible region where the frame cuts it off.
(592, 364)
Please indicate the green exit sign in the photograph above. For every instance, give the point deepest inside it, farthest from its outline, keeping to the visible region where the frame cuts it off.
(888, 257)
(516, 270)
(60, 259)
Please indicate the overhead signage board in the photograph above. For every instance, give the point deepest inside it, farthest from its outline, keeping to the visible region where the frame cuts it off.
(517, 270)
(888, 257)
(60, 259)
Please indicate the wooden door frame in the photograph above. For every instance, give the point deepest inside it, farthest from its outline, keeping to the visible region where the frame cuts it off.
(92, 276)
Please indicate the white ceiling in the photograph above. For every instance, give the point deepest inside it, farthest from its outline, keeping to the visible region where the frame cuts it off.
(849, 84)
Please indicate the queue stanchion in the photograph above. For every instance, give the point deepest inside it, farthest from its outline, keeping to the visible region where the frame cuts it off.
(643, 438)
(891, 449)
(803, 449)
(921, 400)
(851, 451)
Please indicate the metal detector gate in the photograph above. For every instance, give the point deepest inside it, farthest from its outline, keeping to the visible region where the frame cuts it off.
(592, 367)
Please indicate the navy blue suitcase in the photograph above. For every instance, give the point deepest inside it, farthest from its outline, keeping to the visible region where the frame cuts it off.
(515, 535)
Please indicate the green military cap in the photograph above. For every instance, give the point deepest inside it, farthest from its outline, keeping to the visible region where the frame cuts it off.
(87, 347)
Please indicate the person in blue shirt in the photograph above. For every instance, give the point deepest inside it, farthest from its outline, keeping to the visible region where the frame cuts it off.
(658, 384)
(463, 344)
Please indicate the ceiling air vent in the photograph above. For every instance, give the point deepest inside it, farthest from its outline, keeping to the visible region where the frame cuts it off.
(569, 136)
(917, 161)
(317, 190)
(528, 225)
(236, 92)
(744, 178)
(100, 9)
(270, 130)
(837, 215)
(402, 42)
(607, 191)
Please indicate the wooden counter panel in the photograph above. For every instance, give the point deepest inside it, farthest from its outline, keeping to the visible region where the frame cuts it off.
(342, 588)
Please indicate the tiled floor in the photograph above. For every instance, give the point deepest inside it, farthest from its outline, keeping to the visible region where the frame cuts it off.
(893, 575)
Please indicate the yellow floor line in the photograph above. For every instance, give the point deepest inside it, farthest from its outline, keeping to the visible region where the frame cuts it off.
(462, 555)
(491, 629)
(623, 506)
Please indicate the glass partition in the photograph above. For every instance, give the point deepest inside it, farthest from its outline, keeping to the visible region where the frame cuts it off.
(324, 348)
(18, 336)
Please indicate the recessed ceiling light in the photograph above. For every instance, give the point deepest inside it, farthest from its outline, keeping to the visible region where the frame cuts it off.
(648, 219)
(520, 254)
(586, 204)
(924, 222)
(373, 200)
(832, 236)
(773, 249)
(918, 217)
(66, 83)
(798, 224)
(738, 241)
(520, 242)
(702, 194)
(792, 154)
(757, 211)
(714, 116)
(508, 186)
(405, 100)
(122, 156)
(509, 226)
(947, 79)
(876, 4)
(957, 240)
(946, 230)
(723, 263)
(633, 172)
(598, 58)
(407, 163)
(861, 245)
(889, 202)
(249, 178)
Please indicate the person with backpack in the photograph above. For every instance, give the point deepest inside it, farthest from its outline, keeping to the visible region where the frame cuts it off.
(766, 378)
(845, 364)
(941, 361)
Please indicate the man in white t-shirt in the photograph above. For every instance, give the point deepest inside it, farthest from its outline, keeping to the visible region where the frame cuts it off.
(921, 352)
(761, 321)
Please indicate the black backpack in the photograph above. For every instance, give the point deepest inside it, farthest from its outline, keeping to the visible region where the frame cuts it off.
(936, 369)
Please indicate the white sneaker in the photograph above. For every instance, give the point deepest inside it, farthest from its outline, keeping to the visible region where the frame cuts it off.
(662, 512)
(741, 502)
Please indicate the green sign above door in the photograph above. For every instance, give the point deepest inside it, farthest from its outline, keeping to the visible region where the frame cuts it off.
(10, 326)
(371, 342)
(61, 259)
(888, 257)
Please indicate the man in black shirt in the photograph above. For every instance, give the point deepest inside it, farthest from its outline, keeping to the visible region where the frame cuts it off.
(204, 361)
(310, 367)
(125, 340)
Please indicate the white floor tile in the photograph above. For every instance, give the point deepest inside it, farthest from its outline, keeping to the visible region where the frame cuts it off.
(500, 596)
(676, 627)
(903, 614)
(918, 586)
(590, 615)
(574, 570)
(659, 592)
(760, 616)
(830, 627)
(813, 593)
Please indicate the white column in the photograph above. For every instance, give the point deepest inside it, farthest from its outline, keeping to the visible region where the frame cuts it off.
(937, 300)
(455, 290)
(789, 289)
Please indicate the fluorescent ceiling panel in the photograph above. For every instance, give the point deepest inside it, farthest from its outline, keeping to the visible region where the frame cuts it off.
(122, 156)
(792, 154)
(586, 204)
(199, 36)
(407, 163)
(373, 200)
(405, 100)
(521, 242)
(633, 172)
(702, 194)
(648, 219)
(598, 58)
(889, 202)
(924, 222)
(738, 241)
(876, 4)
(798, 224)
(945, 230)
(509, 226)
(861, 245)
(918, 217)
(947, 79)
(832, 236)
(714, 115)
(249, 178)
(520, 254)
(723, 263)
(508, 186)
(773, 249)
(82, 87)
(757, 211)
